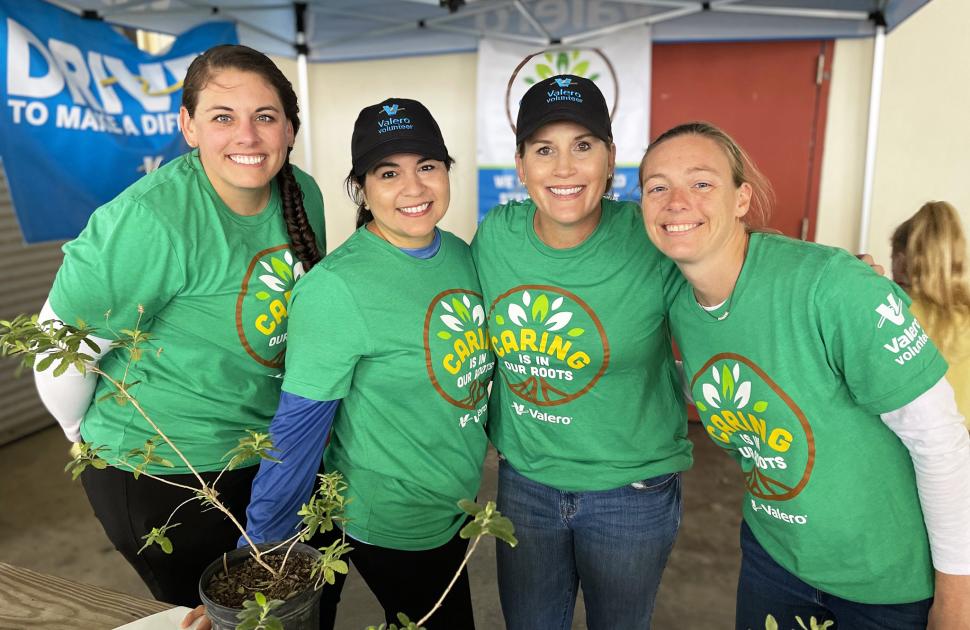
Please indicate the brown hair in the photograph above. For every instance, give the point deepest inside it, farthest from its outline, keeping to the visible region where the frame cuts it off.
(302, 237)
(743, 169)
(934, 247)
(354, 185)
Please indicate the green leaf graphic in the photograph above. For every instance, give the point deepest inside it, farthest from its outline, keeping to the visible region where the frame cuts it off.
(594, 76)
(575, 332)
(581, 68)
(549, 57)
(727, 383)
(543, 71)
(444, 334)
(460, 310)
(562, 63)
(262, 295)
(540, 308)
(700, 405)
(281, 268)
(575, 55)
(529, 80)
(760, 406)
(499, 320)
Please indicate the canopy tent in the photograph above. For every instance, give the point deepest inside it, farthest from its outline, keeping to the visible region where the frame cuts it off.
(339, 30)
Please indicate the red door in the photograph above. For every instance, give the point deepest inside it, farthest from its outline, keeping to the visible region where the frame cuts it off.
(770, 96)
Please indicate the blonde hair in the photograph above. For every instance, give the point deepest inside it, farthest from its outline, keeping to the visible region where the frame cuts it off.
(935, 248)
(743, 169)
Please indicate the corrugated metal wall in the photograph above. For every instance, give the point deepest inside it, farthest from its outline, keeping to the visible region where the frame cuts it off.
(28, 271)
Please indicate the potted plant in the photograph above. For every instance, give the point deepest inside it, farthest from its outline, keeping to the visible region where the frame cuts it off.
(257, 587)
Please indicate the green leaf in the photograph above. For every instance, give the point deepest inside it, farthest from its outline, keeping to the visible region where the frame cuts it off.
(771, 623)
(501, 527)
(61, 368)
(45, 363)
(727, 383)
(471, 530)
(575, 332)
(469, 507)
(259, 597)
(540, 308)
(460, 310)
(575, 55)
(581, 68)
(760, 406)
(499, 320)
(594, 76)
(444, 334)
(562, 63)
(543, 71)
(281, 268)
(262, 295)
(529, 81)
(165, 544)
(549, 57)
(701, 406)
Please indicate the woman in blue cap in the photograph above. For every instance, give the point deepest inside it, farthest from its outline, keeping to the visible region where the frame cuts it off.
(585, 414)
(387, 344)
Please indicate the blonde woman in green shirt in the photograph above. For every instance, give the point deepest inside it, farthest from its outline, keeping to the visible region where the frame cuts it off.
(812, 372)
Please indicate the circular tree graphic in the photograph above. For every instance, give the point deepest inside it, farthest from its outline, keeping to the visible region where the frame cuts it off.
(263, 302)
(552, 346)
(457, 354)
(745, 410)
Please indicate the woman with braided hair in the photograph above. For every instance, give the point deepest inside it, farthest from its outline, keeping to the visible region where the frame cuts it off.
(202, 254)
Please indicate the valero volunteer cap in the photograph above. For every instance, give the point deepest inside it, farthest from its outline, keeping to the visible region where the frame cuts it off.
(396, 125)
(564, 97)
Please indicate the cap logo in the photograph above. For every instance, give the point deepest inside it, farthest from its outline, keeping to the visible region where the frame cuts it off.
(563, 82)
(391, 110)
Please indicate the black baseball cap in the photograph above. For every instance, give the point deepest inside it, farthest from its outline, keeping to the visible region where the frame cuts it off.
(563, 97)
(396, 125)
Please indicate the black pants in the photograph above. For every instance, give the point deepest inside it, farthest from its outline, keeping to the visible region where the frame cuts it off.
(406, 581)
(128, 509)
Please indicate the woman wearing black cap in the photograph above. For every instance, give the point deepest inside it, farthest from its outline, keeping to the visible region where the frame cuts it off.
(387, 343)
(586, 416)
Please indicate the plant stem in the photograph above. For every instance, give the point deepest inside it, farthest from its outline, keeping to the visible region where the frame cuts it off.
(461, 568)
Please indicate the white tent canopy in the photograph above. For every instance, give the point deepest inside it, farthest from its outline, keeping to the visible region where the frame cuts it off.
(340, 30)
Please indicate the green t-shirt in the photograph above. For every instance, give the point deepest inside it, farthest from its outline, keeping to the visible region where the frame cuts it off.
(214, 286)
(790, 376)
(586, 399)
(402, 341)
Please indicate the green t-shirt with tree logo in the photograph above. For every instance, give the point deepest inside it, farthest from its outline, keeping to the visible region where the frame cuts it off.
(585, 399)
(789, 376)
(214, 287)
(402, 342)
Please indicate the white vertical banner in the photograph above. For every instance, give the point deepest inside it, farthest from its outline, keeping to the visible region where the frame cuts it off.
(618, 64)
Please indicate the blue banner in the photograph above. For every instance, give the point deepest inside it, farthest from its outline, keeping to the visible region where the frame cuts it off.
(85, 112)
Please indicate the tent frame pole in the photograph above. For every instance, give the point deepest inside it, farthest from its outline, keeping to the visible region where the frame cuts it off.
(303, 77)
(872, 132)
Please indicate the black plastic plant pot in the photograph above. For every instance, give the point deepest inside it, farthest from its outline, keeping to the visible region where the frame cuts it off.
(298, 613)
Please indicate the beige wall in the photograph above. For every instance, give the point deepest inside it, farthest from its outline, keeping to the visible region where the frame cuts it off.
(923, 142)
(446, 84)
(924, 129)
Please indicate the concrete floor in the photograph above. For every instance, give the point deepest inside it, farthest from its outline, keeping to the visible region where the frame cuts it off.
(46, 525)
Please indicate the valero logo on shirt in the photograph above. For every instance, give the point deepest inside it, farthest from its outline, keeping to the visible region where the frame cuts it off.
(744, 410)
(550, 345)
(457, 353)
(263, 303)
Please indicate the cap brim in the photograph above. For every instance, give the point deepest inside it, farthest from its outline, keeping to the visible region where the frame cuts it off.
(399, 145)
(560, 115)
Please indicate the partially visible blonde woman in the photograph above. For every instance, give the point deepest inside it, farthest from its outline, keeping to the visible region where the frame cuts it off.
(929, 262)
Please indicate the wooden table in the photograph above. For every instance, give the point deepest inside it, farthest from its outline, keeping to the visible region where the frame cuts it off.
(31, 600)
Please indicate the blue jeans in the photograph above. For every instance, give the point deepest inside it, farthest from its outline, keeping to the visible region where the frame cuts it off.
(614, 543)
(765, 587)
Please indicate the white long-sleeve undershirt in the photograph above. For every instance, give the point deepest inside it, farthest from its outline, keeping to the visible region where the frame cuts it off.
(932, 430)
(68, 396)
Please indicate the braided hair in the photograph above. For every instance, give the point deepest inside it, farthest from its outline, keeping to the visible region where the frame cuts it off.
(302, 238)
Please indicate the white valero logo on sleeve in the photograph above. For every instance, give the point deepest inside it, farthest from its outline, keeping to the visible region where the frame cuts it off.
(893, 311)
